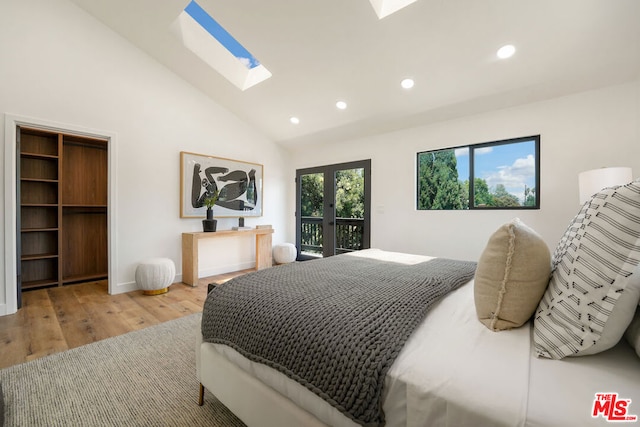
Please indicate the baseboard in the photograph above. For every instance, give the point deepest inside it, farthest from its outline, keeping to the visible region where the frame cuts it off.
(122, 288)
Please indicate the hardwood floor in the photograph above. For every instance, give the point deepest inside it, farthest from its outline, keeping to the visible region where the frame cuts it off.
(58, 319)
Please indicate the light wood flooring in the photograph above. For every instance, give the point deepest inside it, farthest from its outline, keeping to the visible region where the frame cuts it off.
(58, 319)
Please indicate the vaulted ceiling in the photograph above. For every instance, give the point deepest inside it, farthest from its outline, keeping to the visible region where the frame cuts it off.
(322, 51)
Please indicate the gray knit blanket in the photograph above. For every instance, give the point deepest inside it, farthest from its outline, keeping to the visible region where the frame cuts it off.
(334, 325)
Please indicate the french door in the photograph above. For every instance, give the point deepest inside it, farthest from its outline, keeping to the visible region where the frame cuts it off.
(332, 209)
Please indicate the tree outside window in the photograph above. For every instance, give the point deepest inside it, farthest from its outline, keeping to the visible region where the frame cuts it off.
(493, 175)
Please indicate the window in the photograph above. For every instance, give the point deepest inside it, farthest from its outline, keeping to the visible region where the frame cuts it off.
(205, 37)
(493, 175)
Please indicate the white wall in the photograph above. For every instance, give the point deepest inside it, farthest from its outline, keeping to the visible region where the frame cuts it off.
(580, 132)
(59, 64)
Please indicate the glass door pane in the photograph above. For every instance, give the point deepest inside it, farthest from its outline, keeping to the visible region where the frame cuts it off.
(349, 210)
(311, 214)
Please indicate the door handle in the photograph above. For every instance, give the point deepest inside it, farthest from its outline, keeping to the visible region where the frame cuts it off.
(332, 223)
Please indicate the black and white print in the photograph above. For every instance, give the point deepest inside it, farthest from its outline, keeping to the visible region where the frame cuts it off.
(238, 184)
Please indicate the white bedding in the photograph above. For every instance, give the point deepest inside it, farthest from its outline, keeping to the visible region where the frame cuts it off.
(453, 371)
(563, 391)
(453, 363)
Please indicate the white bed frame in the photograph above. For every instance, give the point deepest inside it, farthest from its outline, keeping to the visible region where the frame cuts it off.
(259, 405)
(477, 367)
(247, 397)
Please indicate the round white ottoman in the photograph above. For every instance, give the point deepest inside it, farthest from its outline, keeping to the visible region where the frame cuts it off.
(284, 253)
(155, 275)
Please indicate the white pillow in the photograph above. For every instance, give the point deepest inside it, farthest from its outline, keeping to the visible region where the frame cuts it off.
(595, 281)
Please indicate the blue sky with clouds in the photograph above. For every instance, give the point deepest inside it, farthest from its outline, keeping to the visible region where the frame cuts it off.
(512, 165)
(212, 26)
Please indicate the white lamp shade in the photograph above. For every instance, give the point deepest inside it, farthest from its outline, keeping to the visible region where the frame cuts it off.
(591, 182)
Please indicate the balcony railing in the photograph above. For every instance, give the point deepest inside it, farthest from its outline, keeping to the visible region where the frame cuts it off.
(348, 235)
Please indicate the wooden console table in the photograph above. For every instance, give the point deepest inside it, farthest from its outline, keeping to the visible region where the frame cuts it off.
(190, 249)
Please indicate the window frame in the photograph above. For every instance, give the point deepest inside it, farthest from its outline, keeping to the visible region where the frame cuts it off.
(471, 150)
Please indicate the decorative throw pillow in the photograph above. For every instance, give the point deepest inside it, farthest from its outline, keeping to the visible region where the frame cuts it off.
(511, 277)
(633, 332)
(595, 281)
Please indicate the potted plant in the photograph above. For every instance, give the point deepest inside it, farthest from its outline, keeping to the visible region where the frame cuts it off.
(209, 224)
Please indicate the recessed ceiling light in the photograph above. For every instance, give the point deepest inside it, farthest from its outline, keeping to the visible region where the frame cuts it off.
(407, 83)
(506, 51)
(341, 105)
(294, 120)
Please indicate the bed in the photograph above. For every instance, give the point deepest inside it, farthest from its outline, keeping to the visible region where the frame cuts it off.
(457, 368)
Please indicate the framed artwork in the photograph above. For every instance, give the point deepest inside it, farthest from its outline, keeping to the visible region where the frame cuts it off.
(239, 186)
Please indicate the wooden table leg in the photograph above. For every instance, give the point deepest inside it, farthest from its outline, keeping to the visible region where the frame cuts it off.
(189, 259)
(263, 251)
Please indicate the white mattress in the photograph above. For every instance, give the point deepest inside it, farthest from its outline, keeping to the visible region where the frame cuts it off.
(453, 371)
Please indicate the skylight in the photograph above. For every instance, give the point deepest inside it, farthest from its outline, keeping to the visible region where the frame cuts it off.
(387, 7)
(205, 37)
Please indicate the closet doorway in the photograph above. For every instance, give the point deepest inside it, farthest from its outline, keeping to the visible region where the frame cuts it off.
(59, 216)
(62, 220)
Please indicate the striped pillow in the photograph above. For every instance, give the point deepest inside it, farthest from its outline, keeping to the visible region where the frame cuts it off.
(595, 280)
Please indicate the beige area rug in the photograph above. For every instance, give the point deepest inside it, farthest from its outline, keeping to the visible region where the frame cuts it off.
(143, 378)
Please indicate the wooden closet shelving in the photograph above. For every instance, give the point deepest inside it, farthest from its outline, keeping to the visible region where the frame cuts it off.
(63, 208)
